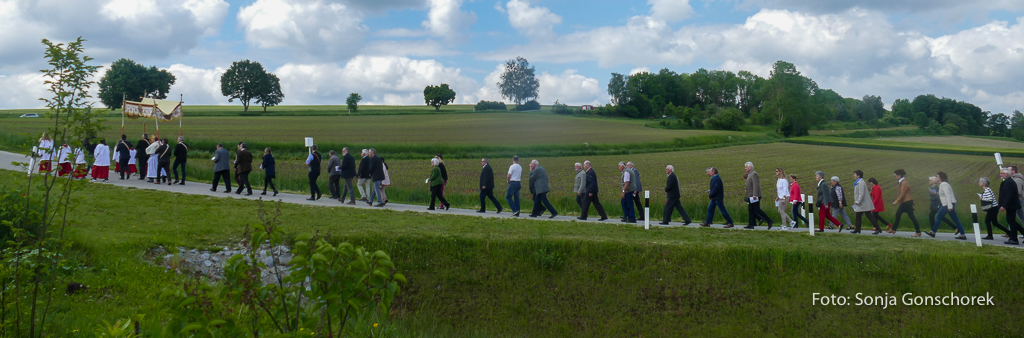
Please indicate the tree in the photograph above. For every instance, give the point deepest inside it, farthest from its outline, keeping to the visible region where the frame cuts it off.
(437, 96)
(789, 95)
(269, 94)
(129, 80)
(353, 102)
(617, 89)
(998, 125)
(246, 81)
(518, 82)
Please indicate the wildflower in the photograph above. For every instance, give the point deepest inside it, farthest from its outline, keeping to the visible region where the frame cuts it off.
(374, 325)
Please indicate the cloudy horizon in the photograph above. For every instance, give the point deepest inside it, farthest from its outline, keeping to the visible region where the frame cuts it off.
(387, 51)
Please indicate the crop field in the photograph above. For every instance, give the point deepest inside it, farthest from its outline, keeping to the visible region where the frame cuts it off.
(878, 144)
(958, 141)
(235, 110)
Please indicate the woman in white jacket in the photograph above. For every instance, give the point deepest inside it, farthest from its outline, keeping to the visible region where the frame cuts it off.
(782, 199)
(862, 204)
(948, 205)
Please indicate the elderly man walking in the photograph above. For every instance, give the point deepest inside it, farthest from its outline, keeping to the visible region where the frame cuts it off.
(753, 198)
(364, 183)
(515, 174)
(221, 170)
(334, 175)
(639, 190)
(628, 187)
(579, 185)
(716, 193)
(539, 188)
(591, 195)
(487, 186)
(673, 202)
(348, 172)
(377, 177)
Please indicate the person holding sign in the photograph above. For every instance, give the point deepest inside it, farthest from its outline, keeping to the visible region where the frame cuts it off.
(753, 198)
(313, 163)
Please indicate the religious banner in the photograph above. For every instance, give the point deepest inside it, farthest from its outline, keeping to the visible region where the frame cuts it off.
(153, 109)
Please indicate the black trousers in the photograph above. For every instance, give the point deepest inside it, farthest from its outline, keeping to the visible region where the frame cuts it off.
(333, 184)
(166, 167)
(178, 164)
(488, 193)
(1011, 220)
(143, 165)
(592, 199)
(217, 175)
(674, 204)
(755, 212)
(639, 205)
(579, 200)
(348, 189)
(243, 182)
(879, 219)
(796, 214)
(122, 162)
(871, 218)
(992, 218)
(907, 208)
(437, 193)
(541, 203)
(314, 189)
(268, 180)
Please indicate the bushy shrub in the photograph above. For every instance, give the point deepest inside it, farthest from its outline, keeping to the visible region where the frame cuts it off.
(725, 119)
(529, 105)
(490, 105)
(562, 109)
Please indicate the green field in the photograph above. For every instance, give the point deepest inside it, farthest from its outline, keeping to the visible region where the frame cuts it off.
(932, 147)
(482, 277)
(959, 141)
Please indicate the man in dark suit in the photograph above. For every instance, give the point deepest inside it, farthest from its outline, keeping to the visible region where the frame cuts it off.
(672, 190)
(635, 176)
(539, 188)
(141, 156)
(163, 163)
(313, 162)
(1010, 202)
(334, 175)
(487, 186)
(591, 196)
(123, 156)
(348, 173)
(180, 158)
(377, 176)
(243, 166)
(220, 167)
(716, 194)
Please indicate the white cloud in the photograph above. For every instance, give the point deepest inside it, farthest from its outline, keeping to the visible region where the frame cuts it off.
(196, 85)
(22, 91)
(314, 28)
(570, 88)
(448, 20)
(639, 70)
(209, 14)
(418, 48)
(670, 10)
(536, 22)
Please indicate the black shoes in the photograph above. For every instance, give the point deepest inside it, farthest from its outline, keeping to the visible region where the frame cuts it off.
(532, 215)
(311, 198)
(855, 232)
(499, 211)
(380, 205)
(629, 221)
(553, 215)
(749, 227)
(877, 231)
(685, 223)
(603, 219)
(989, 237)
(819, 230)
(770, 224)
(431, 209)
(964, 237)
(1012, 242)
(213, 189)
(227, 191)
(263, 193)
(515, 214)
(481, 211)
(581, 218)
(663, 223)
(929, 233)
(319, 195)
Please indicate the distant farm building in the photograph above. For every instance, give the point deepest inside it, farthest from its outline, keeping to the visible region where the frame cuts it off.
(586, 107)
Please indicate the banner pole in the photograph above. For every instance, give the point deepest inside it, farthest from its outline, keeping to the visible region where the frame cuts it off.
(181, 102)
(123, 99)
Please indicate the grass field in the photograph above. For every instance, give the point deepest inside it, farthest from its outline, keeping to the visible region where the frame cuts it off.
(288, 110)
(959, 141)
(482, 277)
(848, 131)
(865, 143)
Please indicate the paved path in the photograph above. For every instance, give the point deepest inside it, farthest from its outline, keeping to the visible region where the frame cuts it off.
(200, 188)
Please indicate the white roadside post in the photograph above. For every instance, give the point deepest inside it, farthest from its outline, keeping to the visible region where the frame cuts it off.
(977, 227)
(32, 160)
(647, 209)
(810, 214)
(803, 211)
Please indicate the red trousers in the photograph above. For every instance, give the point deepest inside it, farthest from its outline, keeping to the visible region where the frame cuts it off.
(825, 213)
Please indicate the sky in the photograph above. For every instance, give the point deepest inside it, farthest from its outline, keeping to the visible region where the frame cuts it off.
(389, 50)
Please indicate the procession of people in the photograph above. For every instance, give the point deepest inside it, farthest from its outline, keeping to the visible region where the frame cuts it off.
(153, 155)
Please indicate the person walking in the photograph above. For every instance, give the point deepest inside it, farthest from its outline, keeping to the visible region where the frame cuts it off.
(377, 177)
(385, 183)
(348, 173)
(63, 160)
(444, 174)
(933, 208)
(334, 175)
(81, 167)
(220, 168)
(313, 163)
(269, 171)
(487, 186)
(991, 206)
(839, 204)
(1018, 179)
(673, 202)
(514, 178)
(364, 183)
(539, 188)
(782, 198)
(164, 162)
(141, 156)
(628, 187)
(153, 163)
(753, 197)
(1008, 202)
(796, 198)
(45, 152)
(180, 159)
(243, 166)
(436, 184)
(716, 193)
(876, 199)
(637, 191)
(579, 184)
(132, 168)
(862, 202)
(591, 196)
(947, 202)
(124, 152)
(101, 166)
(905, 202)
(825, 201)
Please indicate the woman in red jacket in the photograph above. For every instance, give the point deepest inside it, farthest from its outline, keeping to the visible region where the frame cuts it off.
(797, 200)
(876, 198)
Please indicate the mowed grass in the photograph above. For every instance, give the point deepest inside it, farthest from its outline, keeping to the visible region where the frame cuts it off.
(959, 141)
(803, 160)
(496, 277)
(489, 129)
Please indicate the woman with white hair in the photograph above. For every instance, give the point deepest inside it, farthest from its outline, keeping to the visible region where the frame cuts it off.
(991, 207)
(436, 184)
(839, 203)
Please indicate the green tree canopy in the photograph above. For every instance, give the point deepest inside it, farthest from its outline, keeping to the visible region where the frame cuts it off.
(437, 96)
(518, 82)
(129, 80)
(269, 93)
(353, 102)
(246, 81)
